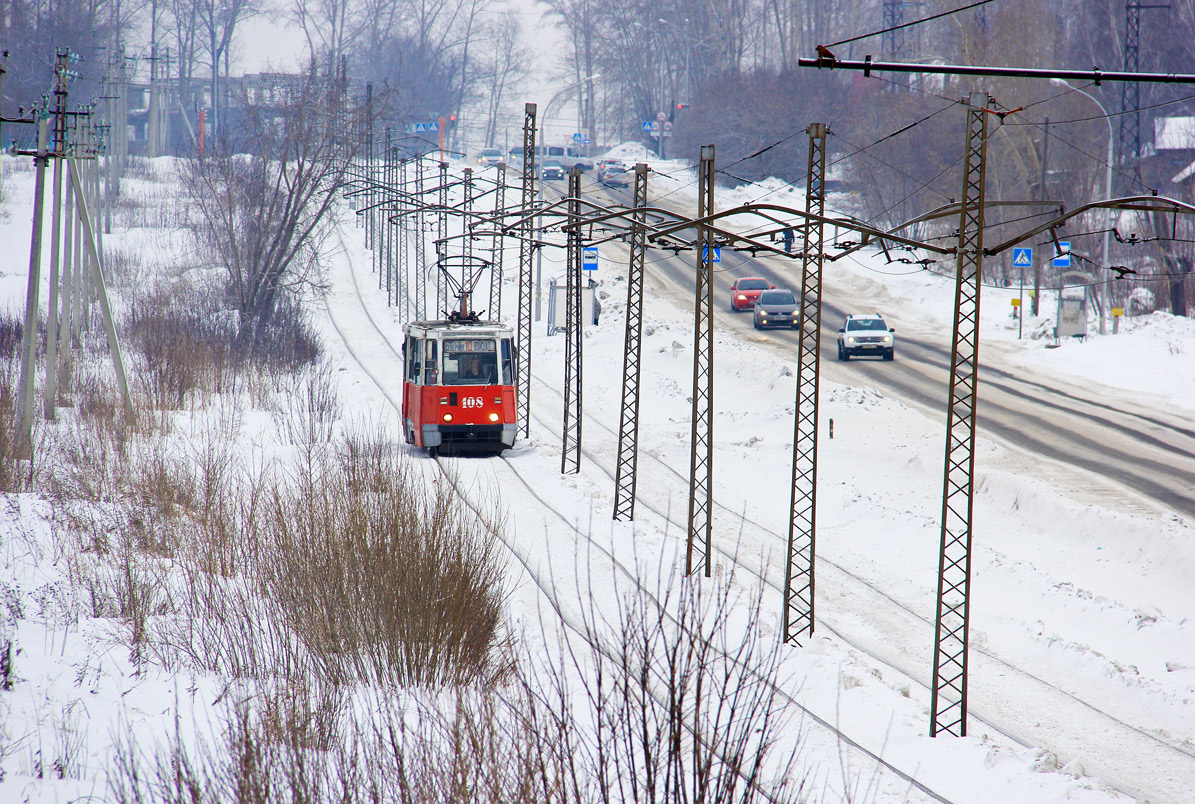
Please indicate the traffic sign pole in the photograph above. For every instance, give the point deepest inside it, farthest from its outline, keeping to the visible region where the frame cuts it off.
(1022, 258)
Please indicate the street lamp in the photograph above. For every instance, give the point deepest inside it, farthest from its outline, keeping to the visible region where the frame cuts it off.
(684, 32)
(1107, 180)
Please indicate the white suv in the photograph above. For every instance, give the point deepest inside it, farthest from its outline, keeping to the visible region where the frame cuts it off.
(866, 335)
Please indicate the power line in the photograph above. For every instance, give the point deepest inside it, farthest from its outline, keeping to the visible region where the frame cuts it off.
(908, 24)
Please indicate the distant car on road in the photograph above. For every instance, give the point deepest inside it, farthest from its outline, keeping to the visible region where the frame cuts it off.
(490, 156)
(777, 308)
(866, 335)
(605, 165)
(551, 169)
(745, 291)
(618, 175)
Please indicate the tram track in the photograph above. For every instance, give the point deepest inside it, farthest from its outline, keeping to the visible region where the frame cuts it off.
(547, 589)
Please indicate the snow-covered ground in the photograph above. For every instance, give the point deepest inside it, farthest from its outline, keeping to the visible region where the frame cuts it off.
(1083, 619)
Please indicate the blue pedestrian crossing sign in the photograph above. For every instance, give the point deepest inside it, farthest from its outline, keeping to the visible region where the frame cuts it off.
(589, 258)
(1062, 257)
(647, 125)
(1022, 258)
(705, 250)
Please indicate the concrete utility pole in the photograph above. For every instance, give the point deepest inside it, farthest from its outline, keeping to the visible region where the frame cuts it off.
(101, 291)
(24, 439)
(54, 319)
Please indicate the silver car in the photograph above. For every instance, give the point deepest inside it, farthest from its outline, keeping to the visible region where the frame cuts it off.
(777, 308)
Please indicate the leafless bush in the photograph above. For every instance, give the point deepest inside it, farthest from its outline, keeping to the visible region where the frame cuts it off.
(185, 342)
(191, 343)
(307, 408)
(669, 708)
(684, 694)
(286, 342)
(375, 571)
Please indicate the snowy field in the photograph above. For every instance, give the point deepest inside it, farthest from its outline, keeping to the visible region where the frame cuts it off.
(1083, 619)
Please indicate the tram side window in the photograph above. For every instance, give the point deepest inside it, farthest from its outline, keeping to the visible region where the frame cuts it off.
(411, 350)
(508, 371)
(430, 363)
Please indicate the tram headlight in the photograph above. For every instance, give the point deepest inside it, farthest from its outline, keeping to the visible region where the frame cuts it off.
(494, 417)
(447, 417)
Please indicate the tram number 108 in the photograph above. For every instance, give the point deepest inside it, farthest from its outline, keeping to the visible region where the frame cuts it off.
(471, 402)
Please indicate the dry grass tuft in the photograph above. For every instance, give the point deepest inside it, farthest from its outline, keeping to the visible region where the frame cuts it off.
(375, 570)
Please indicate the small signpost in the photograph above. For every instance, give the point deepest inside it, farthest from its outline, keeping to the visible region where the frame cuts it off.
(1062, 257)
(589, 258)
(1021, 258)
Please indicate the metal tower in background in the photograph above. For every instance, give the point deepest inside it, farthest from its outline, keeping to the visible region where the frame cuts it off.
(799, 574)
(701, 465)
(893, 42)
(401, 294)
(628, 429)
(570, 454)
(1130, 91)
(526, 273)
(442, 300)
(420, 252)
(497, 246)
(948, 708)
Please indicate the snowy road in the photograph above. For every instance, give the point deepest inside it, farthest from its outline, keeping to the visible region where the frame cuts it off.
(1133, 442)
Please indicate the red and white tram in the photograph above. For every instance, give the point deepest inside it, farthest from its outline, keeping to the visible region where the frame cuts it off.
(459, 385)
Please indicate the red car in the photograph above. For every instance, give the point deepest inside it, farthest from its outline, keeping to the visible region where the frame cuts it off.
(744, 292)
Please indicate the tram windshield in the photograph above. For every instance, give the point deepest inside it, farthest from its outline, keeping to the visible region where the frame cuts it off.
(471, 361)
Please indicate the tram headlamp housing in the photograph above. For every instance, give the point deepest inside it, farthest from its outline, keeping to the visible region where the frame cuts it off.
(494, 417)
(447, 417)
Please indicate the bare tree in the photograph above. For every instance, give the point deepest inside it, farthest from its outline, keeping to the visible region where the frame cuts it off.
(219, 20)
(504, 63)
(330, 26)
(264, 207)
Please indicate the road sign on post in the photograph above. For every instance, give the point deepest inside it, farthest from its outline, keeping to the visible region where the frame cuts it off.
(1022, 258)
(1062, 257)
(589, 258)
